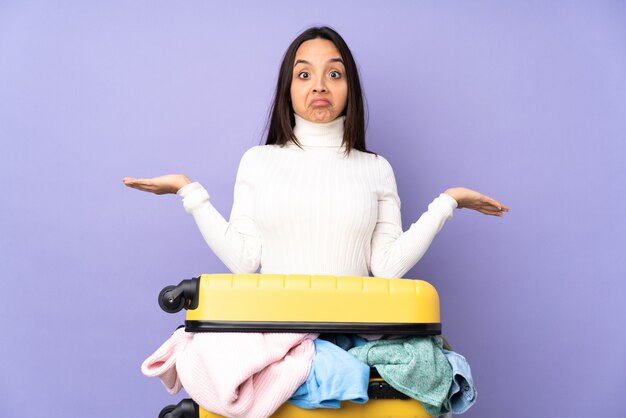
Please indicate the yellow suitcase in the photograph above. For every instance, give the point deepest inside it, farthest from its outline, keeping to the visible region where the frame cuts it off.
(297, 303)
(302, 303)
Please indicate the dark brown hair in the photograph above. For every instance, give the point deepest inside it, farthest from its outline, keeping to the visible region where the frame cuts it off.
(281, 120)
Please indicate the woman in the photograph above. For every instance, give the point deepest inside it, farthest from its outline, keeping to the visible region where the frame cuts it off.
(313, 200)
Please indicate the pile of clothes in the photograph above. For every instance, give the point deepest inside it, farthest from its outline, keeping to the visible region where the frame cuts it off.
(253, 374)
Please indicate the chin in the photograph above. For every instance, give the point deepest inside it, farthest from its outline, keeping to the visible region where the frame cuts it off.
(322, 118)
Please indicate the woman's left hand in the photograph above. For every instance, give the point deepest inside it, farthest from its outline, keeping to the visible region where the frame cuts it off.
(471, 199)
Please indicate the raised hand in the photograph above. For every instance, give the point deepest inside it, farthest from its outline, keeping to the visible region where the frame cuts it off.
(169, 183)
(471, 199)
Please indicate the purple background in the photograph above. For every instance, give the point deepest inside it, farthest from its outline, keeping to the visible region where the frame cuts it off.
(523, 101)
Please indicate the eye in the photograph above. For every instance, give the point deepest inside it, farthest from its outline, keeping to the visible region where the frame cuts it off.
(335, 74)
(303, 75)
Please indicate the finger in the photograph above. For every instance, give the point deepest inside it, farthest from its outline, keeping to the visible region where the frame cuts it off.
(492, 202)
(494, 205)
(131, 180)
(491, 212)
(143, 186)
(486, 206)
(498, 205)
(143, 182)
(139, 187)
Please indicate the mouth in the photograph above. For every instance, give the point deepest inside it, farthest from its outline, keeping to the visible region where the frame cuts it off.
(320, 103)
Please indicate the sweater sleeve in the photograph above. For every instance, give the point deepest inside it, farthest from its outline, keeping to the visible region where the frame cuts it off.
(236, 242)
(394, 252)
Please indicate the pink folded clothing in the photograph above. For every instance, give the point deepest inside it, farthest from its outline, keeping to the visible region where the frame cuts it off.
(162, 363)
(239, 375)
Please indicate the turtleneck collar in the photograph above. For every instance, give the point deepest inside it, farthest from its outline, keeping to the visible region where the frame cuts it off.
(311, 134)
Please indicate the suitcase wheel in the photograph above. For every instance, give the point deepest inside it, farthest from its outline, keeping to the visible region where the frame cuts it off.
(185, 409)
(170, 303)
(173, 299)
(165, 412)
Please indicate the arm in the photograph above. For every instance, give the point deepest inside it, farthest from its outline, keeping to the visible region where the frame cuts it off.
(236, 242)
(394, 252)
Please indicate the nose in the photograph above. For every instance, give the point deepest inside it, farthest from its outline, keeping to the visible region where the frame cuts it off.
(320, 85)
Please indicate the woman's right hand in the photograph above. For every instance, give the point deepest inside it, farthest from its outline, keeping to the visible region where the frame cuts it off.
(170, 183)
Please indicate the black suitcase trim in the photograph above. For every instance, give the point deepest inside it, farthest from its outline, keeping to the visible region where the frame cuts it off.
(314, 327)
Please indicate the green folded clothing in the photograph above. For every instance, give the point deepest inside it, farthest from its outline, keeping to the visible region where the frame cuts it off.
(415, 366)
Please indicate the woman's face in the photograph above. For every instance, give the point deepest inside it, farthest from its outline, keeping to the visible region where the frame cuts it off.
(319, 89)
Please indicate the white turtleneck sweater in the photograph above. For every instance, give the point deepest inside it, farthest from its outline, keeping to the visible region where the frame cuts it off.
(315, 211)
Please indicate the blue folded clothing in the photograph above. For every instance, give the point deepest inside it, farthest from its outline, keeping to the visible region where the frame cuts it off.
(462, 394)
(335, 376)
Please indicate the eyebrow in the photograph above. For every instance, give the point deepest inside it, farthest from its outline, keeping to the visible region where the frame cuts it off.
(306, 62)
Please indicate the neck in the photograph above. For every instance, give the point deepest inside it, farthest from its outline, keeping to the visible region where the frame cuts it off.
(311, 134)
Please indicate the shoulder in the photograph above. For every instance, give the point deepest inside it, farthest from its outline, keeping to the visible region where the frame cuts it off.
(261, 151)
(384, 165)
(256, 159)
(249, 162)
(374, 162)
(387, 176)
(254, 155)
